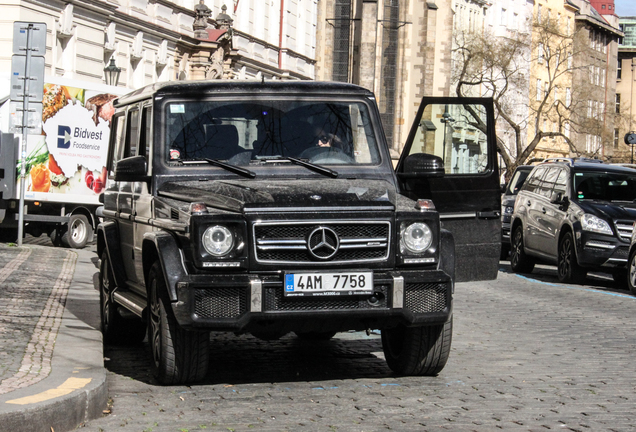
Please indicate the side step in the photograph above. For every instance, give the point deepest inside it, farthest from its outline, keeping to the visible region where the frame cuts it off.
(131, 301)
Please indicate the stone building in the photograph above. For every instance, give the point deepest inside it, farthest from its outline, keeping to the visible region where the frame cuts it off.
(401, 50)
(551, 79)
(155, 40)
(625, 89)
(595, 64)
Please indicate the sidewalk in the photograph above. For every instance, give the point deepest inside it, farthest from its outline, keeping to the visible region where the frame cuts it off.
(52, 374)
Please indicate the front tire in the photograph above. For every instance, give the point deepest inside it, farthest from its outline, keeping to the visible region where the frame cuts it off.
(417, 350)
(115, 329)
(519, 261)
(178, 356)
(568, 269)
(631, 275)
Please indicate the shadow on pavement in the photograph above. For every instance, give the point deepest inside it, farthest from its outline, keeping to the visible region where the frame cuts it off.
(548, 274)
(247, 360)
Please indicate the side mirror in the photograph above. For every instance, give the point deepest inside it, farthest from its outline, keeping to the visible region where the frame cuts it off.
(558, 198)
(423, 165)
(132, 168)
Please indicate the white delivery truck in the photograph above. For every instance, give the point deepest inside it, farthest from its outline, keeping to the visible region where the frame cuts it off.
(65, 164)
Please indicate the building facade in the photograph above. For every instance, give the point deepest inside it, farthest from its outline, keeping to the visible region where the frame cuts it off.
(155, 40)
(595, 61)
(625, 88)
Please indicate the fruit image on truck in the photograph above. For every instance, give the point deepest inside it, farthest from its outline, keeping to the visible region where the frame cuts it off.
(65, 165)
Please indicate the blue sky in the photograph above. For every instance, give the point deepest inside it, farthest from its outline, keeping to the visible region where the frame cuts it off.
(625, 7)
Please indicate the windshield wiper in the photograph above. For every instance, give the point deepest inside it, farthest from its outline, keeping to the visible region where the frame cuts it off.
(311, 166)
(226, 166)
(232, 168)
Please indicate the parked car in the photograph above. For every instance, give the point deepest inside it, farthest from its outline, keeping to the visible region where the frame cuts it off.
(577, 214)
(508, 204)
(273, 207)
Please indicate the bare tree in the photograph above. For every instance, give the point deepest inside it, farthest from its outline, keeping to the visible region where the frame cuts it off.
(501, 67)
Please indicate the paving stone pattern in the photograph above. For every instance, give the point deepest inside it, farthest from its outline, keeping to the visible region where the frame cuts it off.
(34, 282)
(527, 355)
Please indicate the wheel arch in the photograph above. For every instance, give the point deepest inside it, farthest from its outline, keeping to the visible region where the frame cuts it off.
(565, 229)
(516, 222)
(162, 246)
(108, 241)
(83, 210)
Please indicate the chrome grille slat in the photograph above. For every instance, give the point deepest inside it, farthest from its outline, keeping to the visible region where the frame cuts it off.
(285, 242)
(624, 229)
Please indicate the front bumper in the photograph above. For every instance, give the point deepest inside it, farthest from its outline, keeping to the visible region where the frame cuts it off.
(255, 303)
(596, 250)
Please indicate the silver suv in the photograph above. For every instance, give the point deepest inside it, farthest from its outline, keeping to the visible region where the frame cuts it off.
(577, 214)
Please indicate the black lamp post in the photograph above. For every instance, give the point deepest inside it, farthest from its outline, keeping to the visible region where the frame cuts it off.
(111, 73)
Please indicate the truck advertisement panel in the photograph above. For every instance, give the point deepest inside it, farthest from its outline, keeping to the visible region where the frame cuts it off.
(67, 162)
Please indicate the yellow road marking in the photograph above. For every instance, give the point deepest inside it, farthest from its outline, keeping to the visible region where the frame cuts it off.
(65, 388)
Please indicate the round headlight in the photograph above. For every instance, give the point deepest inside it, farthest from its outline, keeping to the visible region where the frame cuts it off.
(417, 237)
(217, 240)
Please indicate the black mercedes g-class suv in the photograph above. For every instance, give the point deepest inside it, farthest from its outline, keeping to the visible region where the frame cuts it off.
(577, 214)
(273, 207)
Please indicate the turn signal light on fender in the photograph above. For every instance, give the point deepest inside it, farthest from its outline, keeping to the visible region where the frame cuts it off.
(424, 205)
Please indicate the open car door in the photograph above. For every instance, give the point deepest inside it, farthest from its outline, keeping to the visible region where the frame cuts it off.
(461, 131)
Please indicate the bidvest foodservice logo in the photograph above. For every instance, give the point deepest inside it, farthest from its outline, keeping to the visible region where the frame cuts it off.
(74, 139)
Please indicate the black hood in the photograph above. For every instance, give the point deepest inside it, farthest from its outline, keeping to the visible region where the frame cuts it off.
(245, 195)
(609, 210)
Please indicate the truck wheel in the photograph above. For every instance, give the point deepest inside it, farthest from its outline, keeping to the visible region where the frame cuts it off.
(519, 261)
(631, 275)
(178, 356)
(417, 350)
(115, 329)
(78, 232)
(316, 336)
(568, 269)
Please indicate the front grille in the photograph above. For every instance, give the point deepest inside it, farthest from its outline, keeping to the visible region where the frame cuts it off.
(426, 297)
(275, 301)
(285, 242)
(624, 229)
(220, 302)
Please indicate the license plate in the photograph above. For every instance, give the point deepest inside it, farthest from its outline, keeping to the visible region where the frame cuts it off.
(328, 284)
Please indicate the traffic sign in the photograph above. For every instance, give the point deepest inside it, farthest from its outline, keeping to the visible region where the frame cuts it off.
(37, 39)
(18, 78)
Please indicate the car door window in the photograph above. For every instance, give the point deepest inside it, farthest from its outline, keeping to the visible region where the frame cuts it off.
(449, 131)
(132, 133)
(145, 136)
(547, 183)
(561, 183)
(117, 140)
(534, 180)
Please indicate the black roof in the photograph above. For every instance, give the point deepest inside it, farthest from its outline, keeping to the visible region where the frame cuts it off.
(242, 86)
(586, 164)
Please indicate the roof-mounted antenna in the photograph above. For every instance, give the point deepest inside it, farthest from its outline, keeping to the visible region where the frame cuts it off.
(262, 79)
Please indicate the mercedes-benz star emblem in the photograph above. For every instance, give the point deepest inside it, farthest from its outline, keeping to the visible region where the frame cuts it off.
(323, 243)
(315, 197)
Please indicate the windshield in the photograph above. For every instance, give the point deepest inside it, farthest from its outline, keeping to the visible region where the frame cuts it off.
(607, 186)
(517, 181)
(261, 132)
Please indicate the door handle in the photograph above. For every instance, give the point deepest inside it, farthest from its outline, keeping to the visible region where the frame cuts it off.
(492, 214)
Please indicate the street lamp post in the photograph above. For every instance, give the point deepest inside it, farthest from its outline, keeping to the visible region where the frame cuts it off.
(446, 119)
(111, 73)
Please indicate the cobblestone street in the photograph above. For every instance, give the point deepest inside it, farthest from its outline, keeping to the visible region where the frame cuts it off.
(528, 355)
